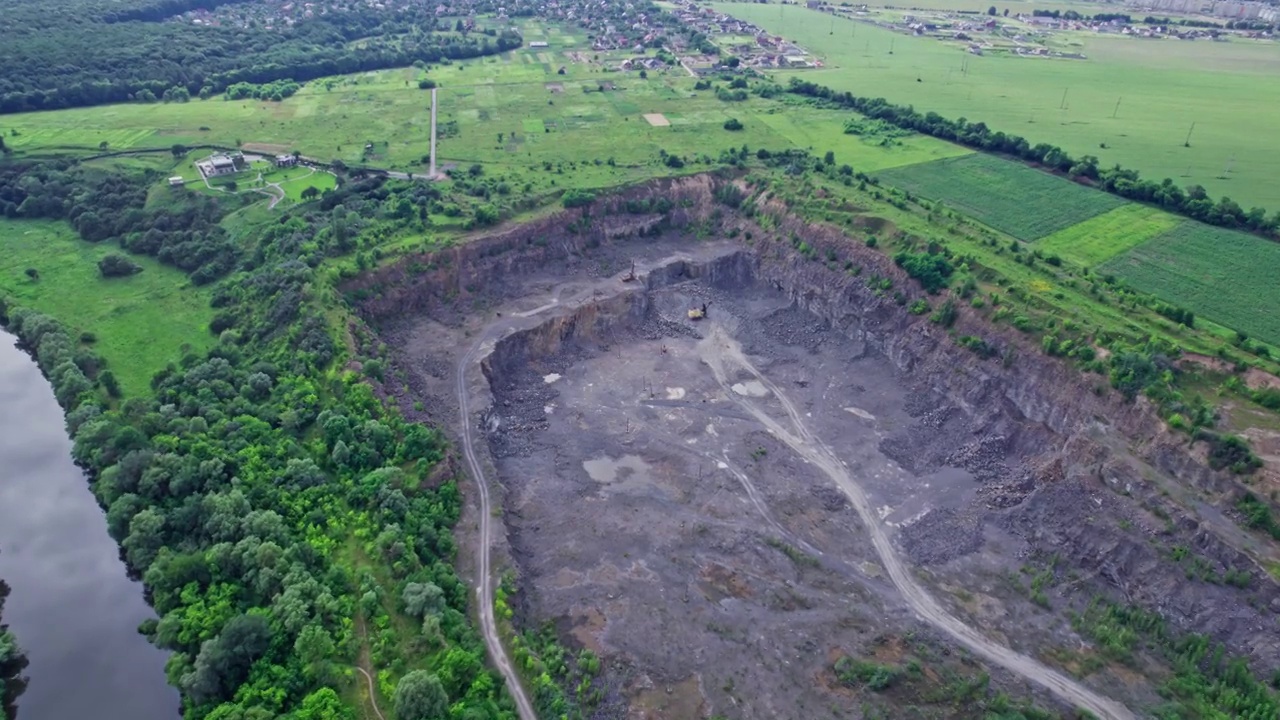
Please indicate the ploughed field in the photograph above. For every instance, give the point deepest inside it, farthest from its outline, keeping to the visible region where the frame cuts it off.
(804, 504)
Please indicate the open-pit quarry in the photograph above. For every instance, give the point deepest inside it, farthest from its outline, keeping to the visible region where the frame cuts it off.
(723, 507)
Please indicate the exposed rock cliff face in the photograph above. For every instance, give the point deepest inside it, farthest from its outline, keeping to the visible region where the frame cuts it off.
(1078, 438)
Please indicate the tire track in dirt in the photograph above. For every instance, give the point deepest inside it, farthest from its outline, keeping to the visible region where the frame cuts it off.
(720, 351)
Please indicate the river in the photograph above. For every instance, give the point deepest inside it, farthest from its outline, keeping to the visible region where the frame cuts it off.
(73, 609)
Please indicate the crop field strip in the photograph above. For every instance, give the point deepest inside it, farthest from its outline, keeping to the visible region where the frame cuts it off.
(1226, 276)
(1105, 236)
(1226, 88)
(1026, 203)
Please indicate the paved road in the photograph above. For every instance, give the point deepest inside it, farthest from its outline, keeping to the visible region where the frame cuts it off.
(720, 352)
(484, 592)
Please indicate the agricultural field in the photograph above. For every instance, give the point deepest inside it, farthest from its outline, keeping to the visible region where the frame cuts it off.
(1101, 238)
(142, 322)
(513, 114)
(1226, 276)
(1162, 87)
(1010, 197)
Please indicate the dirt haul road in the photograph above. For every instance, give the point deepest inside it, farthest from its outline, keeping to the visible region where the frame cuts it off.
(484, 591)
(721, 353)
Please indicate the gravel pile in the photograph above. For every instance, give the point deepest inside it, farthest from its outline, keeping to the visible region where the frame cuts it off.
(941, 536)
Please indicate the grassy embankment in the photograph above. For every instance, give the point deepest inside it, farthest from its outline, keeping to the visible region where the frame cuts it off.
(1166, 85)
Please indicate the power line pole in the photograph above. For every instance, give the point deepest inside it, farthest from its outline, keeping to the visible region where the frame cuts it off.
(1187, 142)
(1113, 112)
(1063, 105)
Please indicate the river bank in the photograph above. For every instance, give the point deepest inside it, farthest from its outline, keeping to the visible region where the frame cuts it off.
(73, 607)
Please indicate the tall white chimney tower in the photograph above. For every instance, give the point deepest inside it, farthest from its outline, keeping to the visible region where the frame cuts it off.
(432, 171)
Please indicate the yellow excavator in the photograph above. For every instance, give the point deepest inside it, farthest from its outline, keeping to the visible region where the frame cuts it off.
(698, 313)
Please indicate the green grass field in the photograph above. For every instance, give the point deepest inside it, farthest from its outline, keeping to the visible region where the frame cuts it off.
(543, 118)
(1227, 89)
(1101, 238)
(320, 180)
(1010, 197)
(1228, 277)
(142, 322)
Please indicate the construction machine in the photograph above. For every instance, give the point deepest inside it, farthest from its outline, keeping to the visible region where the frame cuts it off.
(698, 313)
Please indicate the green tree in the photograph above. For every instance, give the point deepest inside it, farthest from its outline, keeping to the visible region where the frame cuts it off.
(421, 599)
(146, 537)
(323, 704)
(109, 383)
(420, 696)
(315, 648)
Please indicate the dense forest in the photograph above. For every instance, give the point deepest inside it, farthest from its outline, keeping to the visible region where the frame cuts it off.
(71, 53)
(288, 526)
(1193, 202)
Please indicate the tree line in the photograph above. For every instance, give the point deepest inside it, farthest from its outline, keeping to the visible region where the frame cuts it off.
(89, 53)
(267, 497)
(1193, 202)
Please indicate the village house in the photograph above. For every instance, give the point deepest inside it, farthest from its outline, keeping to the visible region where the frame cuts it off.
(220, 164)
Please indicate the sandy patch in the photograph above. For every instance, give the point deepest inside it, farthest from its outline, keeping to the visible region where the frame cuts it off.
(657, 119)
(751, 388)
(860, 413)
(1257, 378)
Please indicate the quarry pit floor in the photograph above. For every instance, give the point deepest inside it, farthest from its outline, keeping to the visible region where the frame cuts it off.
(682, 496)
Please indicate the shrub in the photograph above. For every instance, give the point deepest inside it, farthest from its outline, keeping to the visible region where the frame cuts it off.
(118, 266)
(578, 198)
(946, 315)
(1229, 451)
(980, 347)
(930, 269)
(733, 124)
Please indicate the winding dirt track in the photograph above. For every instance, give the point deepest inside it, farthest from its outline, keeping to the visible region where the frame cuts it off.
(484, 591)
(373, 693)
(720, 352)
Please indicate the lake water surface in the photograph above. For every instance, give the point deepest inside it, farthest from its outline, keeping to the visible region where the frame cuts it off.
(72, 608)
